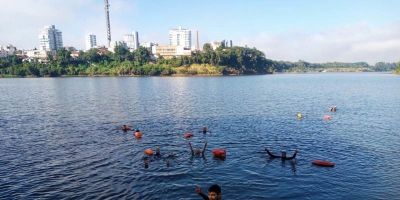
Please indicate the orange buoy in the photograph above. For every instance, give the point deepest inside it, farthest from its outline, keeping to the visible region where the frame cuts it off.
(323, 163)
(219, 153)
(187, 135)
(138, 134)
(148, 152)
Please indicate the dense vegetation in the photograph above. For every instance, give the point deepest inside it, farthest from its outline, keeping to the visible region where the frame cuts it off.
(398, 69)
(222, 61)
(302, 66)
(235, 60)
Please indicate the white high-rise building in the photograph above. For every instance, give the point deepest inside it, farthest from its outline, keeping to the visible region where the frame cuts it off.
(50, 39)
(132, 40)
(91, 41)
(180, 37)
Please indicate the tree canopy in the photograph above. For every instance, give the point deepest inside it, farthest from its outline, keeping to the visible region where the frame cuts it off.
(221, 61)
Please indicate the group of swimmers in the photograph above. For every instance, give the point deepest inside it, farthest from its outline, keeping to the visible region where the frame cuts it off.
(195, 152)
(326, 117)
(214, 192)
(150, 156)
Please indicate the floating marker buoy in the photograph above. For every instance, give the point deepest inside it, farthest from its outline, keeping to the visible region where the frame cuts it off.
(148, 152)
(327, 117)
(219, 153)
(323, 163)
(299, 115)
(187, 135)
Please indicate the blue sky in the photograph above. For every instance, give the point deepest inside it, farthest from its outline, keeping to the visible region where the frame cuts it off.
(311, 30)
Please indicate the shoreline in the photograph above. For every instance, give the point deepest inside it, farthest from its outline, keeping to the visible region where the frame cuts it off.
(194, 75)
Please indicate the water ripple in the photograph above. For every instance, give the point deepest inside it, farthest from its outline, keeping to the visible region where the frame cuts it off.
(66, 143)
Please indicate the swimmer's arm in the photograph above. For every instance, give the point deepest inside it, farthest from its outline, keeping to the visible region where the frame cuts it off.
(191, 148)
(294, 155)
(270, 154)
(204, 149)
(205, 197)
(198, 191)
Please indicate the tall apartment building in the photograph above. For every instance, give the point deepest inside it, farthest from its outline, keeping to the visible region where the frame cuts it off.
(91, 41)
(132, 40)
(50, 39)
(180, 37)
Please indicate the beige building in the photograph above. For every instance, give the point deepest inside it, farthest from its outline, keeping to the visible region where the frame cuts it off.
(169, 51)
(36, 55)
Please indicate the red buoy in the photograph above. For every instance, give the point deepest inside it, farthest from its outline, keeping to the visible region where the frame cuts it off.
(323, 163)
(187, 135)
(148, 152)
(219, 153)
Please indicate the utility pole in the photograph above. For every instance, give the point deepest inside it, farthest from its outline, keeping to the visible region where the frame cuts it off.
(107, 9)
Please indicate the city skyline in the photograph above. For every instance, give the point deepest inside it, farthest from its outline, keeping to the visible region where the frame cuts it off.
(329, 31)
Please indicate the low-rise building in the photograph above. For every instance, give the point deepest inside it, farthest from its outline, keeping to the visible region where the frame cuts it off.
(74, 54)
(36, 55)
(215, 44)
(169, 51)
(115, 44)
(148, 45)
(7, 50)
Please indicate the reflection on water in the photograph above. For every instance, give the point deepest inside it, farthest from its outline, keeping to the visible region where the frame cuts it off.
(61, 138)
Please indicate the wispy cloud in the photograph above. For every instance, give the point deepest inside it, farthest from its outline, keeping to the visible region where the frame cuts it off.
(22, 20)
(361, 42)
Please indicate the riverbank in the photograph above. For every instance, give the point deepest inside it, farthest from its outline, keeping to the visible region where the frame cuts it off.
(128, 69)
(196, 75)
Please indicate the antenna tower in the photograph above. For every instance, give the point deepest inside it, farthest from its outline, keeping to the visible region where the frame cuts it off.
(197, 40)
(107, 9)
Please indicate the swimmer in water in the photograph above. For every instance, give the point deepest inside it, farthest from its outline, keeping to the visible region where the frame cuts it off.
(205, 130)
(282, 156)
(126, 128)
(214, 193)
(196, 151)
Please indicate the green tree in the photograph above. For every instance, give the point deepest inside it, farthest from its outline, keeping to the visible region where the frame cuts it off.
(92, 56)
(141, 56)
(121, 53)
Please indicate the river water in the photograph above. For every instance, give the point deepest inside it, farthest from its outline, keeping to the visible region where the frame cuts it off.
(60, 138)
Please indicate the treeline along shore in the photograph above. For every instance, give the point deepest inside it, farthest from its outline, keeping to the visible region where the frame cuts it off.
(221, 61)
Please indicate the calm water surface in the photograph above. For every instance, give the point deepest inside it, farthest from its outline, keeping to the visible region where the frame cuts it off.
(60, 138)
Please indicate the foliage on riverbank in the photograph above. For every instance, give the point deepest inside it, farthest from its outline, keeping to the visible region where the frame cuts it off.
(222, 61)
(304, 67)
(398, 69)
